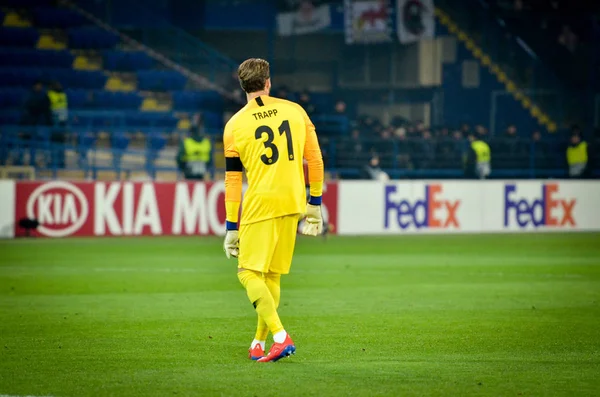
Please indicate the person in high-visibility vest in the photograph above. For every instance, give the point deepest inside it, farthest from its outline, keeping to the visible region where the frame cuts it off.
(59, 104)
(479, 156)
(195, 154)
(59, 107)
(577, 157)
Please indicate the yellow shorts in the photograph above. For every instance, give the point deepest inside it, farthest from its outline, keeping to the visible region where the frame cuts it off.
(268, 246)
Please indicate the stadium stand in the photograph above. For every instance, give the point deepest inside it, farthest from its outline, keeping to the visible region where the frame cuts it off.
(118, 97)
(127, 110)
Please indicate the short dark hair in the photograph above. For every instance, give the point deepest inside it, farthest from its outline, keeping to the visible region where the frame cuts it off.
(253, 74)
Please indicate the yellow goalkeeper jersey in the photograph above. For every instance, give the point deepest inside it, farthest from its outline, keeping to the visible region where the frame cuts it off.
(269, 137)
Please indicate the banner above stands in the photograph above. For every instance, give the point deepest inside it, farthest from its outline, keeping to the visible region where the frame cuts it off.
(415, 20)
(66, 209)
(305, 19)
(368, 21)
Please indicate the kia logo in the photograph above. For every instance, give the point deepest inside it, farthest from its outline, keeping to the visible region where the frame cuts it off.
(60, 207)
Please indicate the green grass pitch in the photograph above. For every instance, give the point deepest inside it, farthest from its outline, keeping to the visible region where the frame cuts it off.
(497, 315)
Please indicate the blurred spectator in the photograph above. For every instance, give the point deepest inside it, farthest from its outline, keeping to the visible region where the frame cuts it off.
(511, 132)
(373, 170)
(426, 151)
(443, 132)
(399, 121)
(37, 107)
(479, 156)
(568, 39)
(60, 114)
(404, 149)
(465, 129)
(351, 149)
(282, 92)
(194, 156)
(511, 149)
(384, 147)
(577, 157)
(367, 125)
(458, 143)
(518, 5)
(444, 148)
(540, 149)
(340, 108)
(304, 101)
(400, 132)
(482, 132)
(419, 128)
(58, 104)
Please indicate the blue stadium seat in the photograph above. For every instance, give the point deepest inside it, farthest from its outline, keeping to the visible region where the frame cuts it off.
(119, 140)
(156, 142)
(127, 60)
(50, 18)
(197, 100)
(27, 3)
(151, 119)
(89, 79)
(34, 57)
(12, 97)
(159, 122)
(69, 78)
(323, 101)
(91, 38)
(10, 117)
(160, 80)
(18, 37)
(24, 77)
(117, 100)
(97, 120)
(92, 80)
(153, 130)
(212, 120)
(78, 98)
(85, 139)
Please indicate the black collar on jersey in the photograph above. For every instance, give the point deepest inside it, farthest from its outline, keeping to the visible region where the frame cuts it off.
(260, 101)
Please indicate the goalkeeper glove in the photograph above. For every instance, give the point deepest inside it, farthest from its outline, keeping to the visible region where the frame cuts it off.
(231, 246)
(313, 223)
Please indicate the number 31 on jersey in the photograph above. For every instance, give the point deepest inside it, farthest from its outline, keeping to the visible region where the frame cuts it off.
(284, 128)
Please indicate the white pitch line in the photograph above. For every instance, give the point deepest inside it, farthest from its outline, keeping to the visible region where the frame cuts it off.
(10, 395)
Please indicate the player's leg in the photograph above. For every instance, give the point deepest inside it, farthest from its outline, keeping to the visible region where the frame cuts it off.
(280, 264)
(255, 256)
(261, 298)
(262, 330)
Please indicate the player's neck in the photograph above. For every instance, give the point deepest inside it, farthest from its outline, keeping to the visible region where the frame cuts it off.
(253, 95)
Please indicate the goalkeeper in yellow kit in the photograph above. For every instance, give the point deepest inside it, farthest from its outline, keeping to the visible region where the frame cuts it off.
(269, 137)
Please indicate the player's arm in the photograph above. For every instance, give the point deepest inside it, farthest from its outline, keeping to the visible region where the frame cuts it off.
(314, 159)
(233, 192)
(313, 224)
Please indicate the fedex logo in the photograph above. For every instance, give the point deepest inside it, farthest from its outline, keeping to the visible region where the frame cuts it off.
(548, 210)
(432, 211)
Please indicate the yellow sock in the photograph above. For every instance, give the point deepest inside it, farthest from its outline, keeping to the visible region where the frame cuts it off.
(261, 299)
(273, 284)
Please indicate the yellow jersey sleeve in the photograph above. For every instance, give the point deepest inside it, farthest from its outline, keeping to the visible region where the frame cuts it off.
(233, 178)
(314, 158)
